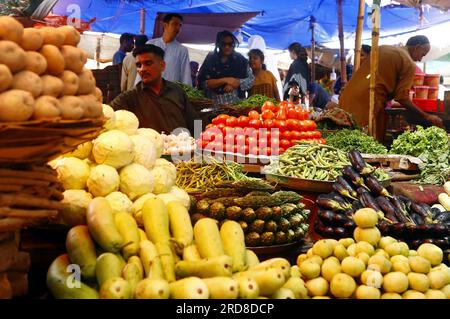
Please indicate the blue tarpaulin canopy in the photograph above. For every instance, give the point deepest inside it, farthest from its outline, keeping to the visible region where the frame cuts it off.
(279, 22)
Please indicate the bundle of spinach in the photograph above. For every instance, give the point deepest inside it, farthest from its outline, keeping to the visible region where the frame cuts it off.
(255, 100)
(191, 92)
(432, 146)
(348, 140)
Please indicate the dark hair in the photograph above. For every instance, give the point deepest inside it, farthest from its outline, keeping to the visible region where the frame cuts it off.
(222, 35)
(140, 40)
(126, 37)
(170, 16)
(417, 40)
(149, 48)
(366, 48)
(298, 50)
(258, 53)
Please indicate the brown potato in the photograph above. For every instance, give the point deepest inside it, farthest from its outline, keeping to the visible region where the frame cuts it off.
(46, 107)
(99, 95)
(16, 106)
(71, 35)
(72, 107)
(10, 29)
(51, 85)
(6, 78)
(73, 58)
(71, 82)
(87, 82)
(92, 107)
(52, 36)
(28, 81)
(35, 62)
(12, 56)
(32, 39)
(55, 60)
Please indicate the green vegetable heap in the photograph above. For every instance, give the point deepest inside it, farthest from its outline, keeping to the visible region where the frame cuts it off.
(254, 100)
(432, 146)
(191, 92)
(348, 140)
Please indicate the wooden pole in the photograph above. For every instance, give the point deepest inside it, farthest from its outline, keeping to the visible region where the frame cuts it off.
(98, 51)
(313, 49)
(374, 64)
(142, 30)
(341, 42)
(359, 29)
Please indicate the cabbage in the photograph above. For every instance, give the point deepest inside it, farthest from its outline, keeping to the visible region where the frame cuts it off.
(135, 180)
(103, 180)
(162, 180)
(155, 138)
(72, 172)
(182, 196)
(144, 151)
(74, 206)
(126, 122)
(119, 202)
(171, 169)
(113, 148)
(108, 112)
(82, 151)
(167, 198)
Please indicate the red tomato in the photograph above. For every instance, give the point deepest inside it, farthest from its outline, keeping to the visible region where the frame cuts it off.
(221, 126)
(303, 135)
(250, 131)
(231, 121)
(243, 121)
(317, 134)
(283, 103)
(302, 126)
(267, 115)
(292, 114)
(269, 123)
(210, 126)
(322, 141)
(255, 123)
(268, 105)
(253, 115)
(281, 125)
(309, 135)
(222, 118)
(282, 113)
(281, 150)
(215, 120)
(311, 125)
(285, 143)
(286, 135)
(227, 130)
(296, 136)
(292, 125)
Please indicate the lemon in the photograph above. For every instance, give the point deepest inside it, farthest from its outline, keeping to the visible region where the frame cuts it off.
(372, 278)
(309, 269)
(395, 282)
(365, 218)
(418, 282)
(419, 264)
(316, 259)
(301, 258)
(432, 253)
(446, 291)
(342, 286)
(317, 287)
(385, 241)
(364, 257)
(330, 268)
(382, 253)
(340, 252)
(435, 294)
(391, 295)
(366, 292)
(364, 247)
(397, 258)
(297, 286)
(438, 279)
(379, 263)
(295, 272)
(402, 266)
(412, 294)
(370, 235)
(351, 250)
(346, 242)
(394, 249)
(412, 253)
(323, 248)
(353, 266)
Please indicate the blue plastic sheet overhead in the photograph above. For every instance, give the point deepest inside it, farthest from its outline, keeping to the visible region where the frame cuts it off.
(280, 22)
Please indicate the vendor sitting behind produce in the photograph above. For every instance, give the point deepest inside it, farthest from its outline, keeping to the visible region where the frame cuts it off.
(225, 74)
(394, 81)
(159, 104)
(265, 82)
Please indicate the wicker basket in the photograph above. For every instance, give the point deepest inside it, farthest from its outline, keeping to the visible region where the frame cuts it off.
(201, 104)
(37, 142)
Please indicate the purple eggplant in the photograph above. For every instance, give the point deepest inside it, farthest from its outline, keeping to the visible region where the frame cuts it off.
(326, 216)
(400, 208)
(376, 187)
(333, 204)
(362, 190)
(348, 191)
(418, 220)
(340, 219)
(356, 204)
(390, 211)
(369, 202)
(420, 210)
(340, 232)
(442, 217)
(359, 164)
(351, 174)
(350, 225)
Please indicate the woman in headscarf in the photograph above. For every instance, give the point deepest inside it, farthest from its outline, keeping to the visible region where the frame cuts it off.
(298, 74)
(265, 83)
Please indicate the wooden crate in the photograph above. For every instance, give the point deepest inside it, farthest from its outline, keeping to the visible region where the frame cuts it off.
(108, 80)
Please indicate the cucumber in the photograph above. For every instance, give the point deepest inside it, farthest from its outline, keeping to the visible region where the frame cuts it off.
(62, 285)
(133, 275)
(127, 227)
(116, 288)
(248, 288)
(101, 225)
(268, 280)
(205, 268)
(279, 263)
(222, 288)
(108, 266)
(180, 224)
(251, 259)
(152, 289)
(156, 220)
(207, 238)
(189, 288)
(190, 253)
(81, 250)
(167, 260)
(151, 260)
(233, 241)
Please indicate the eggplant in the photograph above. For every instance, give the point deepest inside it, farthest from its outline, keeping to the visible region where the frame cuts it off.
(400, 208)
(387, 207)
(362, 190)
(340, 232)
(340, 219)
(323, 230)
(357, 205)
(339, 198)
(383, 226)
(418, 220)
(399, 229)
(326, 217)
(369, 202)
(438, 230)
(376, 187)
(332, 203)
(435, 212)
(349, 190)
(419, 209)
(406, 201)
(350, 225)
(443, 217)
(359, 164)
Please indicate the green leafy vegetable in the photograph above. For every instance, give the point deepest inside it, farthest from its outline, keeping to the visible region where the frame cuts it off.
(191, 92)
(348, 140)
(254, 100)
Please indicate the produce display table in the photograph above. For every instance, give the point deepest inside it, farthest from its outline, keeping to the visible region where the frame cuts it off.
(427, 194)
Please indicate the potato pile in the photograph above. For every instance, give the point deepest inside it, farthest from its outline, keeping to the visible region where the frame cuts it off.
(373, 267)
(42, 74)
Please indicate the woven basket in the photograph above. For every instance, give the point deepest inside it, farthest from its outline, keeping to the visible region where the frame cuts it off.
(237, 111)
(200, 104)
(37, 142)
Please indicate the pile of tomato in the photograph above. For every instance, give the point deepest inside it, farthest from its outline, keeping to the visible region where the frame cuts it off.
(270, 132)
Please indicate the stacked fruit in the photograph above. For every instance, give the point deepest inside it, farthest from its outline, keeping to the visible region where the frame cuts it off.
(373, 267)
(266, 219)
(269, 133)
(122, 165)
(169, 258)
(42, 75)
(358, 188)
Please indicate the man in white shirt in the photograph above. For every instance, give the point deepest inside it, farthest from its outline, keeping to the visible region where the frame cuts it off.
(175, 55)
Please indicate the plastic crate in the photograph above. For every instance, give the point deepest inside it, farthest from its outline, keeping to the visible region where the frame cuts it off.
(426, 105)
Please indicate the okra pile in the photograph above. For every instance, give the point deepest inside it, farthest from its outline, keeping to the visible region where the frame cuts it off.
(399, 217)
(266, 216)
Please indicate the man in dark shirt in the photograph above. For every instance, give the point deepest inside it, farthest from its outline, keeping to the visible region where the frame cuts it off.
(126, 45)
(158, 104)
